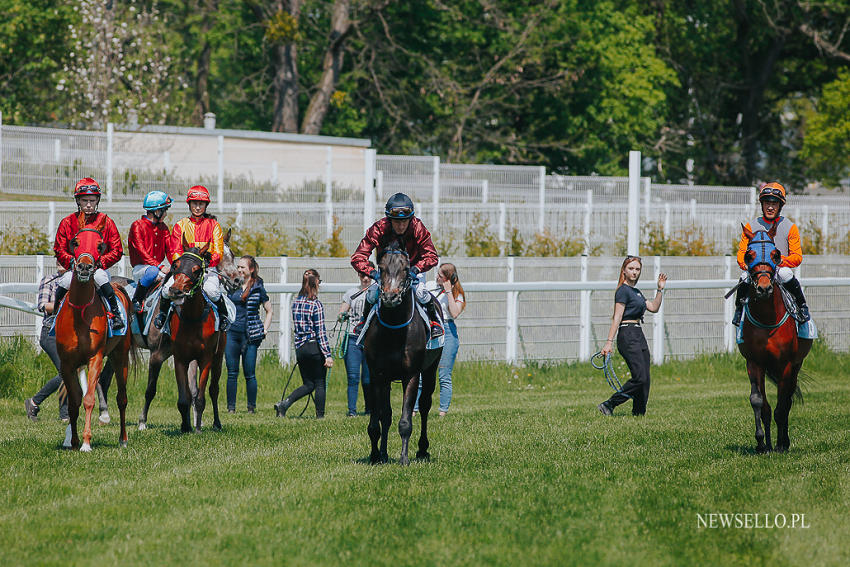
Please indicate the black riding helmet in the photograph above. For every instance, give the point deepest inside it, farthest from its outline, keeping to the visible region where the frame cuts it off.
(399, 206)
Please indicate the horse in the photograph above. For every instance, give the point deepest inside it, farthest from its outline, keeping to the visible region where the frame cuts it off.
(161, 350)
(81, 338)
(770, 343)
(394, 346)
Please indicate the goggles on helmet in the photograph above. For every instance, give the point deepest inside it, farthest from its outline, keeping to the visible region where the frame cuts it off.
(400, 212)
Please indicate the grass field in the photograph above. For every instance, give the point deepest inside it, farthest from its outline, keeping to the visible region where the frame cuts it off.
(524, 471)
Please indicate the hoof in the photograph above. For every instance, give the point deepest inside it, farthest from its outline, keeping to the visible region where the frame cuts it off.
(404, 461)
(423, 456)
(186, 429)
(216, 427)
(67, 442)
(86, 448)
(142, 426)
(122, 444)
(104, 418)
(782, 448)
(762, 449)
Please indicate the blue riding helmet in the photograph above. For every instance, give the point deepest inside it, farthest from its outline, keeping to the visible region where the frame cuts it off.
(156, 200)
(399, 206)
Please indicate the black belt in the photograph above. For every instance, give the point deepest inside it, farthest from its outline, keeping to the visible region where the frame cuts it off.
(630, 325)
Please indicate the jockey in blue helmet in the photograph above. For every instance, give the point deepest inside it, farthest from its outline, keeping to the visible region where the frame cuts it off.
(148, 244)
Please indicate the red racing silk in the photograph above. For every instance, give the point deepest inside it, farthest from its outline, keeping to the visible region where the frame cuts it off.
(147, 242)
(73, 223)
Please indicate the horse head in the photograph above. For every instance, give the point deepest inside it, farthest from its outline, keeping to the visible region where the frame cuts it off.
(189, 270)
(762, 259)
(87, 247)
(395, 275)
(231, 278)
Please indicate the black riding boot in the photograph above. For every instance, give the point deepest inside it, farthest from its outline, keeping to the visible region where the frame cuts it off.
(436, 324)
(740, 299)
(108, 292)
(164, 306)
(139, 297)
(223, 318)
(793, 285)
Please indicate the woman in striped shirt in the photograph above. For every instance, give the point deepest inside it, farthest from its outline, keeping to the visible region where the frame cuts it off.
(312, 350)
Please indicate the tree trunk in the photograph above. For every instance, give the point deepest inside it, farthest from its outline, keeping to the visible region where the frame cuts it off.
(285, 86)
(331, 68)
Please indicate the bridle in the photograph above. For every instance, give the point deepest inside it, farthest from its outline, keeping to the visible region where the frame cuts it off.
(405, 285)
(196, 283)
(85, 271)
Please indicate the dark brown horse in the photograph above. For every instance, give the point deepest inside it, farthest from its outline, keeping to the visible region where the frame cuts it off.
(81, 338)
(162, 349)
(193, 338)
(394, 346)
(770, 344)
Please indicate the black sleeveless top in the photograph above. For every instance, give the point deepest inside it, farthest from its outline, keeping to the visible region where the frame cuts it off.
(634, 301)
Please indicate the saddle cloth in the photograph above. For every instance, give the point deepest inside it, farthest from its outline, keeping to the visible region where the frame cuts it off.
(432, 344)
(807, 330)
(109, 331)
(153, 298)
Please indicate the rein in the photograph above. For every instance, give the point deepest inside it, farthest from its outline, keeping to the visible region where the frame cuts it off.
(200, 279)
(82, 308)
(403, 325)
(608, 370)
(760, 325)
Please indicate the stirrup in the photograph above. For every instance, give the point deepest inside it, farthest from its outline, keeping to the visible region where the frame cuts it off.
(117, 323)
(436, 330)
(159, 322)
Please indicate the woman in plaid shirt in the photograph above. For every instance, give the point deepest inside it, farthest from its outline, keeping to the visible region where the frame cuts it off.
(312, 350)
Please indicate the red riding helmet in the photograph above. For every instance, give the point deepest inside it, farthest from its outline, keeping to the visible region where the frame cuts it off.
(198, 193)
(86, 186)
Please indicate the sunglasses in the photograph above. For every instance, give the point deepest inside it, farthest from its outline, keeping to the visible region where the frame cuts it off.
(400, 212)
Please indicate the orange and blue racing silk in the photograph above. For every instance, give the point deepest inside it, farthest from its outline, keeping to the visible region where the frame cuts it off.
(198, 232)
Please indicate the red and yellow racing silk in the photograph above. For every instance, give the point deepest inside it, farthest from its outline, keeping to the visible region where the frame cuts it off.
(197, 232)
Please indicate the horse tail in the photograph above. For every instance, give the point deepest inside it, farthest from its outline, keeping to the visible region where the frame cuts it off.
(798, 392)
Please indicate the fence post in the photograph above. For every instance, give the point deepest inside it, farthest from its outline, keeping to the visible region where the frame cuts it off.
(283, 343)
(693, 209)
(824, 249)
(379, 185)
(658, 324)
(51, 220)
(110, 135)
(485, 188)
(588, 211)
(329, 205)
(368, 188)
(435, 193)
(503, 213)
(633, 243)
(39, 273)
(238, 221)
(666, 220)
(278, 189)
(511, 337)
(166, 160)
(220, 174)
(584, 314)
(647, 197)
(57, 150)
(728, 310)
(541, 224)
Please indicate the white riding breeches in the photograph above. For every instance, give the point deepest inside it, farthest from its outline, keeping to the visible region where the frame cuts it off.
(212, 286)
(783, 274)
(421, 292)
(101, 277)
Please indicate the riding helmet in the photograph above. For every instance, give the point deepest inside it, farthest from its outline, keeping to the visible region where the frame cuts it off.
(772, 189)
(156, 200)
(399, 206)
(198, 193)
(86, 186)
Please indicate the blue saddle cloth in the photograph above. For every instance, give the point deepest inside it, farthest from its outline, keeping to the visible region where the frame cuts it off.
(210, 306)
(807, 330)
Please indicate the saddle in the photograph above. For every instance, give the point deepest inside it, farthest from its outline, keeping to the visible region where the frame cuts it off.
(110, 332)
(432, 344)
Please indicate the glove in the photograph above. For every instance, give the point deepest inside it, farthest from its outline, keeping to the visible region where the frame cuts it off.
(375, 275)
(414, 272)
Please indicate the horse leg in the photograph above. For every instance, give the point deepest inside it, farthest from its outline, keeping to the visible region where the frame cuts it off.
(374, 428)
(784, 399)
(181, 374)
(405, 424)
(94, 367)
(200, 399)
(158, 356)
(215, 380)
(429, 380)
(758, 400)
(120, 361)
(75, 397)
(386, 419)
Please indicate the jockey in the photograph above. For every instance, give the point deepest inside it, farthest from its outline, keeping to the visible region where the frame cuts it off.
(787, 241)
(400, 225)
(198, 229)
(147, 243)
(87, 196)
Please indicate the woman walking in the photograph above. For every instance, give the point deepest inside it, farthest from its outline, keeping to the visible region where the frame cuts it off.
(312, 350)
(247, 332)
(629, 307)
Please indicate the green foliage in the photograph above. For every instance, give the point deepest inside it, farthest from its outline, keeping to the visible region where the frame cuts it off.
(282, 28)
(336, 247)
(19, 363)
(516, 244)
(547, 244)
(264, 240)
(826, 146)
(31, 240)
(445, 244)
(691, 241)
(480, 240)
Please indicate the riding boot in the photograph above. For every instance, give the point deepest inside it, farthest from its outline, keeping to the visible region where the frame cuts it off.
(223, 318)
(60, 295)
(164, 306)
(139, 297)
(108, 293)
(436, 325)
(740, 299)
(793, 286)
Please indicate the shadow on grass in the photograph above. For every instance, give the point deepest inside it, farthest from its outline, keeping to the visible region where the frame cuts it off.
(747, 450)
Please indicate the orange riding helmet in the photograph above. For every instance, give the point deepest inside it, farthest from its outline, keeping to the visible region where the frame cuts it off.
(772, 189)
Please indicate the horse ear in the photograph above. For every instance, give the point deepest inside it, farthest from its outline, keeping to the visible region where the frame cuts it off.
(74, 243)
(747, 232)
(772, 232)
(227, 237)
(101, 248)
(185, 242)
(776, 256)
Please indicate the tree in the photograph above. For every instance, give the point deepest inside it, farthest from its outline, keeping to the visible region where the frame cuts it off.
(826, 147)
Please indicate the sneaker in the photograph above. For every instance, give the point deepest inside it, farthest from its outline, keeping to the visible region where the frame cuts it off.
(352, 414)
(443, 413)
(251, 410)
(231, 410)
(604, 409)
(159, 322)
(32, 409)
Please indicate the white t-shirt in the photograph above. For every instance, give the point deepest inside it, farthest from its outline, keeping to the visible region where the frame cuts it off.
(444, 300)
(357, 305)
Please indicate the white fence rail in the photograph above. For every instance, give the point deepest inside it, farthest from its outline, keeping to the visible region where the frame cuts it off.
(529, 308)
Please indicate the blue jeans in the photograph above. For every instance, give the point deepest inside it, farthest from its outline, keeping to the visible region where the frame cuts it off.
(447, 363)
(358, 372)
(238, 345)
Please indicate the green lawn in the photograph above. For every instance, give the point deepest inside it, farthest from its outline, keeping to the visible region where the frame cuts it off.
(524, 471)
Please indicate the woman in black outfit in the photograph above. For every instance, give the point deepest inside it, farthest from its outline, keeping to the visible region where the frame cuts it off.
(312, 349)
(629, 307)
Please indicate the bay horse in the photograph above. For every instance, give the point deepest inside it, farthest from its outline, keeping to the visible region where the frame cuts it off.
(770, 343)
(394, 346)
(81, 338)
(161, 350)
(195, 339)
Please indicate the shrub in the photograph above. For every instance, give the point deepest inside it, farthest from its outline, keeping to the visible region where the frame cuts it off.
(515, 245)
(688, 242)
(28, 241)
(445, 244)
(336, 247)
(480, 240)
(546, 244)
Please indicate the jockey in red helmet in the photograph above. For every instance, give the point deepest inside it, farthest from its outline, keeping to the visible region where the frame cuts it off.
(772, 198)
(400, 224)
(198, 229)
(148, 244)
(87, 196)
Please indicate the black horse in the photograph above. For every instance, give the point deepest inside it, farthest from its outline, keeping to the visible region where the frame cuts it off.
(394, 346)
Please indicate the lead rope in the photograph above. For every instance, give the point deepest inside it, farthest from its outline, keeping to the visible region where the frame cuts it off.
(608, 371)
